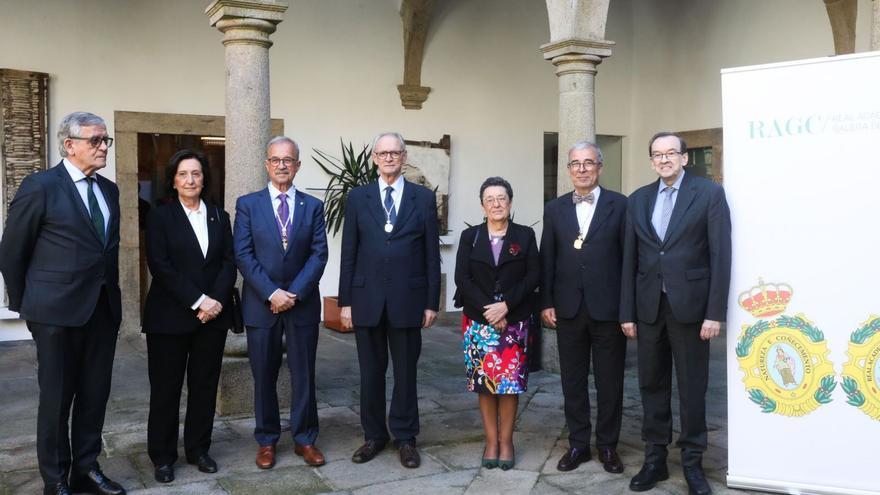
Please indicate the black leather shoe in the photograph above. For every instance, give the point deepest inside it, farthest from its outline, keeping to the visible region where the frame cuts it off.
(96, 483)
(204, 463)
(367, 451)
(164, 473)
(57, 489)
(409, 456)
(573, 458)
(610, 460)
(696, 480)
(648, 477)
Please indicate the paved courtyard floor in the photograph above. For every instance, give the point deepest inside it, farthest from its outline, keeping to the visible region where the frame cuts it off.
(450, 441)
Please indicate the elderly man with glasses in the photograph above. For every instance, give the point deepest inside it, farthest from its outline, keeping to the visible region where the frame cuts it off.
(60, 259)
(580, 290)
(389, 289)
(676, 274)
(281, 250)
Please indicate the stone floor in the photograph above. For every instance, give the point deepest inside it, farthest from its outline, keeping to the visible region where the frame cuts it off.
(450, 442)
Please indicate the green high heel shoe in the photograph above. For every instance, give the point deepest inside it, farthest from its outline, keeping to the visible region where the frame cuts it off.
(490, 463)
(506, 464)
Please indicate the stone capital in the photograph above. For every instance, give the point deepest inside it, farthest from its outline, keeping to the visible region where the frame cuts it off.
(412, 96)
(246, 21)
(578, 47)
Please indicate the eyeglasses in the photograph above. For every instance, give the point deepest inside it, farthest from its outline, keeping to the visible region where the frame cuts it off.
(287, 161)
(94, 141)
(498, 200)
(584, 165)
(384, 155)
(669, 155)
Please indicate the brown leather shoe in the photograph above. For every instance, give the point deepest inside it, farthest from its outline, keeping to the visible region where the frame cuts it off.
(610, 460)
(311, 454)
(409, 456)
(266, 457)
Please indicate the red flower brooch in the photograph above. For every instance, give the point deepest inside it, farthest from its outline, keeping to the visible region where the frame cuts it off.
(514, 249)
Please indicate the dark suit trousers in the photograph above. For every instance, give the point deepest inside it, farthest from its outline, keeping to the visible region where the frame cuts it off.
(373, 344)
(577, 339)
(660, 344)
(198, 355)
(75, 367)
(265, 353)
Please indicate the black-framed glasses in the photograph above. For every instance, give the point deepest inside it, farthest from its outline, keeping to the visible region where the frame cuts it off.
(287, 161)
(669, 155)
(94, 141)
(584, 165)
(384, 155)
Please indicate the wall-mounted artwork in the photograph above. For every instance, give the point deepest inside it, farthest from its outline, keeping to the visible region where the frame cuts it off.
(428, 164)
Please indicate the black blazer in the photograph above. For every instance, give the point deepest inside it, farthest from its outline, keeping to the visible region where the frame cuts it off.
(51, 257)
(693, 260)
(181, 274)
(478, 278)
(400, 270)
(591, 275)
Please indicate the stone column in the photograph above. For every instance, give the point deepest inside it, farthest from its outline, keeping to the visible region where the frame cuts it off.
(875, 27)
(246, 26)
(575, 61)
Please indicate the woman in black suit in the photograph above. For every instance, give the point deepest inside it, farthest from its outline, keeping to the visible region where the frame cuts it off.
(186, 316)
(496, 271)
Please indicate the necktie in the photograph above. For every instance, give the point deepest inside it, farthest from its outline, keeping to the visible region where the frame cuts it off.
(577, 198)
(389, 205)
(283, 219)
(95, 209)
(666, 212)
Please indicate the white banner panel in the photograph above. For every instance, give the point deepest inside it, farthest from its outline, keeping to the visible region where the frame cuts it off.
(801, 156)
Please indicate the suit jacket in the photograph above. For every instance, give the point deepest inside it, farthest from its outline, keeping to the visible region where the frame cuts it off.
(693, 260)
(398, 270)
(266, 266)
(181, 274)
(51, 258)
(515, 277)
(588, 276)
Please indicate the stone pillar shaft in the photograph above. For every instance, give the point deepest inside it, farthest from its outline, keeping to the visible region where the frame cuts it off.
(576, 64)
(875, 27)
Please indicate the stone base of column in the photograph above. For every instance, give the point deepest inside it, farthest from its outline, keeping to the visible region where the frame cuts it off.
(549, 350)
(235, 394)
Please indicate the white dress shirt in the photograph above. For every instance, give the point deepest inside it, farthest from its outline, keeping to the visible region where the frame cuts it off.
(82, 185)
(396, 193)
(585, 212)
(198, 220)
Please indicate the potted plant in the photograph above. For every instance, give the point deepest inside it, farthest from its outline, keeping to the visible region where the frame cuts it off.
(346, 173)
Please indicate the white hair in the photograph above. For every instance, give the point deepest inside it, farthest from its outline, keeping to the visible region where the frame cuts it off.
(72, 124)
(586, 145)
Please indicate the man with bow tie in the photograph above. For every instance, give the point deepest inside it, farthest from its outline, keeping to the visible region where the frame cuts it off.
(281, 251)
(581, 248)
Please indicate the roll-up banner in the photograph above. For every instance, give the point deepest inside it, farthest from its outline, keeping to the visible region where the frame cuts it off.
(802, 175)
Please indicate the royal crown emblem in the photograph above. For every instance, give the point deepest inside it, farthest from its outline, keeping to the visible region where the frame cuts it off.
(766, 300)
(784, 359)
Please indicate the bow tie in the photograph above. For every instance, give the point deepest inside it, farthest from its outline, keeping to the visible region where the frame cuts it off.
(577, 198)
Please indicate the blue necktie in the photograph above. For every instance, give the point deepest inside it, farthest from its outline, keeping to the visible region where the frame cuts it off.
(666, 213)
(389, 205)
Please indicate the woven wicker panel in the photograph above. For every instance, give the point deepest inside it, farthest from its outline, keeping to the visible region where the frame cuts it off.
(23, 127)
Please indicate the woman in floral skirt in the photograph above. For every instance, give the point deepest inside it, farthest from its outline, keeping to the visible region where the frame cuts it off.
(496, 271)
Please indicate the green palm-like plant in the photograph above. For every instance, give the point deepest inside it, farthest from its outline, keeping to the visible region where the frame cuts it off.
(351, 171)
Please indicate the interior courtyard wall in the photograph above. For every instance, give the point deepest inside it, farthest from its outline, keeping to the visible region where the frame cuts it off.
(680, 47)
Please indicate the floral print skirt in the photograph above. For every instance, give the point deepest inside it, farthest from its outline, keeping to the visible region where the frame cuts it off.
(496, 361)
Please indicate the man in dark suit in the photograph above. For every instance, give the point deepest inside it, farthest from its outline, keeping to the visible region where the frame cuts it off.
(676, 275)
(281, 251)
(581, 250)
(389, 288)
(60, 259)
